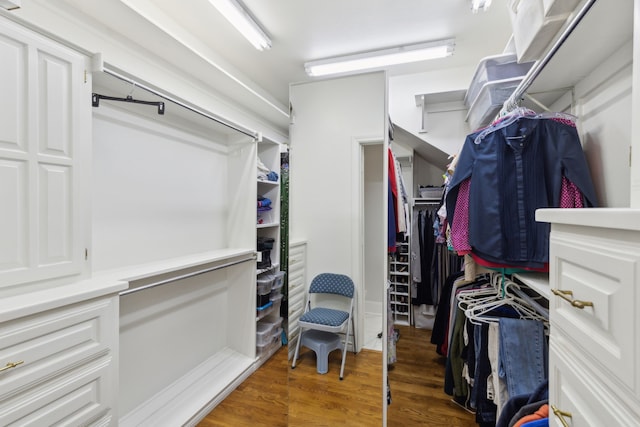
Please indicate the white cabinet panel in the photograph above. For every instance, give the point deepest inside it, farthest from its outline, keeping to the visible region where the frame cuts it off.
(13, 215)
(14, 96)
(577, 392)
(43, 114)
(602, 275)
(55, 103)
(594, 370)
(55, 232)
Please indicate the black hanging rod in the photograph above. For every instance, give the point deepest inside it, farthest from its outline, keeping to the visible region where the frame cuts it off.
(96, 97)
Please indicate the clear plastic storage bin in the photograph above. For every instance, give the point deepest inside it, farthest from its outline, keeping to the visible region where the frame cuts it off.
(264, 283)
(494, 68)
(489, 101)
(278, 280)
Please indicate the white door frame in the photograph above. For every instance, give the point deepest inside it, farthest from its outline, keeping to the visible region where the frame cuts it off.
(359, 144)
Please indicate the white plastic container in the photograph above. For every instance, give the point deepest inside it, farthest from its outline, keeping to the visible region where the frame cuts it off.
(264, 283)
(493, 68)
(533, 30)
(558, 7)
(490, 100)
(278, 280)
(264, 333)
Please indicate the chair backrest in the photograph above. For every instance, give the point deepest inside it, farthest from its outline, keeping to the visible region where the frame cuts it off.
(331, 283)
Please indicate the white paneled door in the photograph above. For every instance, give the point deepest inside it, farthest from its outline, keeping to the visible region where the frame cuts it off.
(41, 122)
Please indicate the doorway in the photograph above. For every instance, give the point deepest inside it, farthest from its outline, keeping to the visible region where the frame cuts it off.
(374, 240)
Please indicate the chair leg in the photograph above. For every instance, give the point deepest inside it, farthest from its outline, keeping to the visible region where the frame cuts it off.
(344, 350)
(295, 355)
(353, 331)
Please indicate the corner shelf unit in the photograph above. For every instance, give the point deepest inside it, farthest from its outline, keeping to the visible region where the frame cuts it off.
(400, 285)
(268, 319)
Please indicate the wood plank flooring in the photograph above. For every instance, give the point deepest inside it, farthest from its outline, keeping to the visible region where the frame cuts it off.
(417, 386)
(261, 400)
(276, 395)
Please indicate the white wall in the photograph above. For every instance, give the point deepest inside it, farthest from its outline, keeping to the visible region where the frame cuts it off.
(425, 173)
(329, 118)
(158, 193)
(446, 131)
(603, 104)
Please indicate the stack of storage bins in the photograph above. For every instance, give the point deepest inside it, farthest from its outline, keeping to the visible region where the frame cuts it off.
(493, 83)
(536, 23)
(269, 327)
(268, 332)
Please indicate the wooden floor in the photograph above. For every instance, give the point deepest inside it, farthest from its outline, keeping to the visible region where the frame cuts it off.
(276, 395)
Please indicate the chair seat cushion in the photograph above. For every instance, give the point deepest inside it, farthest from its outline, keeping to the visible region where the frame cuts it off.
(325, 316)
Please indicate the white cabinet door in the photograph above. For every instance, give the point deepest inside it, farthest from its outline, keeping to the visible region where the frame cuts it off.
(41, 122)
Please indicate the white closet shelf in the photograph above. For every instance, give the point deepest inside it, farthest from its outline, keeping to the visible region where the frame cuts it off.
(108, 282)
(200, 390)
(16, 306)
(268, 225)
(625, 218)
(566, 68)
(267, 182)
(539, 282)
(156, 268)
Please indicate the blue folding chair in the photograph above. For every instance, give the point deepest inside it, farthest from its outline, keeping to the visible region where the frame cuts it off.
(328, 319)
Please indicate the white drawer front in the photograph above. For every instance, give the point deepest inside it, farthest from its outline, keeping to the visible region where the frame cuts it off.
(73, 399)
(605, 277)
(52, 343)
(576, 391)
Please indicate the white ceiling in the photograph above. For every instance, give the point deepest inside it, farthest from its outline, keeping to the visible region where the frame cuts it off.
(193, 36)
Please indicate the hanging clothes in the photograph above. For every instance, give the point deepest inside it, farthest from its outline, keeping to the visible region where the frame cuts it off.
(397, 203)
(511, 172)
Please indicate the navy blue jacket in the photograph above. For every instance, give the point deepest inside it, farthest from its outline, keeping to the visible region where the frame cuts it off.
(514, 171)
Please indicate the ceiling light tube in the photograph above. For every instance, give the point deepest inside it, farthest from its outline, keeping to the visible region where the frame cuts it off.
(243, 22)
(380, 58)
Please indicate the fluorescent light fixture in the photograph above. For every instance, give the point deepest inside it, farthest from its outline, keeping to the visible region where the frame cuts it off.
(381, 58)
(238, 16)
(476, 5)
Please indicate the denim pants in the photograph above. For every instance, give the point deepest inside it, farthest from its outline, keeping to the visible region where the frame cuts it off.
(485, 408)
(497, 384)
(523, 355)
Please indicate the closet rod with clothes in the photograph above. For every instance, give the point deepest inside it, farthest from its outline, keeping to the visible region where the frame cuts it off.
(496, 346)
(182, 104)
(537, 68)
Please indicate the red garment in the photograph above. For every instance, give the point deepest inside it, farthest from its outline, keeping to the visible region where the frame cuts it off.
(460, 220)
(489, 264)
(570, 195)
(394, 185)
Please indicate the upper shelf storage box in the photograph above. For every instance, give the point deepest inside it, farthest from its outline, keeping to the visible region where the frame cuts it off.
(494, 81)
(492, 68)
(536, 23)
